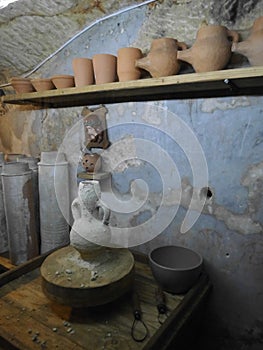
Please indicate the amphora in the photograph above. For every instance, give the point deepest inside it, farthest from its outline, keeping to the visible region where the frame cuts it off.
(211, 50)
(252, 48)
(162, 59)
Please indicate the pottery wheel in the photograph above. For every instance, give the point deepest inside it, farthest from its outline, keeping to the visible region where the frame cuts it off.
(70, 280)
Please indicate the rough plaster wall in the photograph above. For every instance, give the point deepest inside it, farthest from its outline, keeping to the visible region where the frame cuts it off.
(229, 232)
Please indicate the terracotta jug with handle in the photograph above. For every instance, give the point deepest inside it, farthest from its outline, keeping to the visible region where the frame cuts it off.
(162, 59)
(211, 50)
(252, 48)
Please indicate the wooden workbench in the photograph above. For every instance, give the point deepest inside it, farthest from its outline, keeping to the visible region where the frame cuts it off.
(28, 320)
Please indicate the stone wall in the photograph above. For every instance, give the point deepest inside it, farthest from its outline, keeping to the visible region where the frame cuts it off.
(147, 142)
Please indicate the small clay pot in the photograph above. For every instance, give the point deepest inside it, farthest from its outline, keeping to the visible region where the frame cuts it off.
(22, 85)
(63, 81)
(42, 84)
(126, 58)
(91, 162)
(252, 48)
(162, 60)
(83, 71)
(105, 68)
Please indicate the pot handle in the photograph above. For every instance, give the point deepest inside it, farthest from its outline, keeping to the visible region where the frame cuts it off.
(181, 45)
(105, 212)
(233, 35)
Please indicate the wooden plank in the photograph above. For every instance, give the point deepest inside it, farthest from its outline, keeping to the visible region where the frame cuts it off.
(229, 82)
(24, 307)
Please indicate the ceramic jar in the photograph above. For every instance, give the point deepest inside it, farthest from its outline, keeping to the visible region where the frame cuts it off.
(211, 50)
(162, 59)
(126, 58)
(54, 207)
(83, 71)
(252, 48)
(91, 162)
(89, 232)
(105, 68)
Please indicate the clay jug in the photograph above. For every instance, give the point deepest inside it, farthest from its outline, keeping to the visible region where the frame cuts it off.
(162, 60)
(252, 48)
(90, 231)
(211, 50)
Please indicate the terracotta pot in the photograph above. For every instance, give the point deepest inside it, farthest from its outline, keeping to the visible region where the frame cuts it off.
(42, 84)
(105, 68)
(91, 162)
(211, 50)
(162, 58)
(126, 58)
(22, 85)
(83, 71)
(63, 81)
(252, 48)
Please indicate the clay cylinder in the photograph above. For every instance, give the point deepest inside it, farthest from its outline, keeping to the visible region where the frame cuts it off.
(19, 210)
(53, 189)
(83, 71)
(33, 165)
(3, 228)
(105, 68)
(126, 69)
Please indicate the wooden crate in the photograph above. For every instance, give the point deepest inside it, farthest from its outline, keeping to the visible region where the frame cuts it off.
(28, 320)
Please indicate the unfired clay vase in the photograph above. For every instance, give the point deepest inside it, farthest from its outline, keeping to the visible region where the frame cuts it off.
(211, 50)
(89, 232)
(252, 48)
(83, 71)
(63, 81)
(22, 85)
(162, 58)
(105, 68)
(126, 58)
(42, 84)
(91, 162)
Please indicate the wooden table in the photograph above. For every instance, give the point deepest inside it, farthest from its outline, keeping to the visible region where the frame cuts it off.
(28, 320)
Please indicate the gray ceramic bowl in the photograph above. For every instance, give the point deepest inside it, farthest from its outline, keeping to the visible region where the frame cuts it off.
(175, 268)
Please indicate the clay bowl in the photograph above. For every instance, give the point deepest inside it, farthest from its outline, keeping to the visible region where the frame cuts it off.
(42, 84)
(175, 268)
(22, 85)
(63, 81)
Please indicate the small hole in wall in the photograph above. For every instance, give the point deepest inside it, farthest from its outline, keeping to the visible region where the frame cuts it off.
(206, 193)
(227, 255)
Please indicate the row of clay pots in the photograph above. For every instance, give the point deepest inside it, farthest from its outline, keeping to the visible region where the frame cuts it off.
(23, 85)
(211, 51)
(106, 68)
(101, 69)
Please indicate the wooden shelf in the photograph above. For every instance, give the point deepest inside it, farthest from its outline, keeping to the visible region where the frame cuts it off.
(230, 82)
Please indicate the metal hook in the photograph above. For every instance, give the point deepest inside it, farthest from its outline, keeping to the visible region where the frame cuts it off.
(161, 305)
(138, 319)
